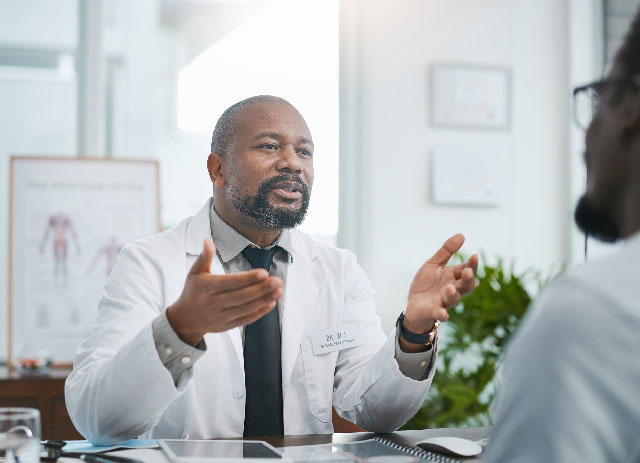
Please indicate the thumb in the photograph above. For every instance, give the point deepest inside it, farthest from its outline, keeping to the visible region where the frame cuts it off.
(203, 262)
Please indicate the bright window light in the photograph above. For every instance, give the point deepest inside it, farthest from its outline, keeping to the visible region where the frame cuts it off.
(288, 49)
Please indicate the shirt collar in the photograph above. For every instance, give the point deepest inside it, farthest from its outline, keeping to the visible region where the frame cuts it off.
(229, 242)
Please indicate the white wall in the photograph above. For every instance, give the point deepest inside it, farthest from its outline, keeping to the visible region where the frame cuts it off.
(389, 219)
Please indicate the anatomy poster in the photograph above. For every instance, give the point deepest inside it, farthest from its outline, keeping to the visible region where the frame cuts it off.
(70, 217)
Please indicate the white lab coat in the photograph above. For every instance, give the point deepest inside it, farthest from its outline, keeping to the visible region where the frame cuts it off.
(120, 389)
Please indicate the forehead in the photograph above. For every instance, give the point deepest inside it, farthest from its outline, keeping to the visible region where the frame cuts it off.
(270, 116)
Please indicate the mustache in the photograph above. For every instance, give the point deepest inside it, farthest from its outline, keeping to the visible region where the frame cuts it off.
(269, 184)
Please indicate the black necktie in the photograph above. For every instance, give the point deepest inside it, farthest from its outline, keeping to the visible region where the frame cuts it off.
(262, 365)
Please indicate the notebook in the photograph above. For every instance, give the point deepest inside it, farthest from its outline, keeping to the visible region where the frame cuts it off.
(376, 450)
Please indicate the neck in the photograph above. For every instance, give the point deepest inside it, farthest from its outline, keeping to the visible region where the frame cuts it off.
(248, 227)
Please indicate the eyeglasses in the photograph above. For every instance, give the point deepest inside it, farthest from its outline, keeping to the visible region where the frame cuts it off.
(587, 99)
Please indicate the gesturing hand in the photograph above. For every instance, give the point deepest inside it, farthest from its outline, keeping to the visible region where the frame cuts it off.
(435, 288)
(213, 303)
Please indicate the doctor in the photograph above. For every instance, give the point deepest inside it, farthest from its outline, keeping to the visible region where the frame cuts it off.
(264, 331)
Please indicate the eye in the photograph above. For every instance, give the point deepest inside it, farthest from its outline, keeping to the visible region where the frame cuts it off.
(305, 152)
(268, 146)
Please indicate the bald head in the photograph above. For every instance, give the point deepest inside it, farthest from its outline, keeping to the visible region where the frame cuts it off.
(228, 123)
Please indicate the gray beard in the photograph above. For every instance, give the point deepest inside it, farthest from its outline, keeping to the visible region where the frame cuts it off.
(259, 208)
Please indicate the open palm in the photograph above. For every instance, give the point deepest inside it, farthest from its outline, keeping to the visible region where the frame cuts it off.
(435, 287)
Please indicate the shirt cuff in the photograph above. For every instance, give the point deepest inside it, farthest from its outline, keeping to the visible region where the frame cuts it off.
(415, 365)
(176, 355)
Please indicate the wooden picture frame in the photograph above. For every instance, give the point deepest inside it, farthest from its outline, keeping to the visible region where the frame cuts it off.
(68, 218)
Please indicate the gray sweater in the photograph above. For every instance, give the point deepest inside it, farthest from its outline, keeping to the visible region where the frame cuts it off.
(570, 389)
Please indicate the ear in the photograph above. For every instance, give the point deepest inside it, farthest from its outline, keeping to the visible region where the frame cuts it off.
(214, 166)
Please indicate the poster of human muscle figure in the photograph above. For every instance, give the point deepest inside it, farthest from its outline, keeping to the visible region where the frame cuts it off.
(62, 229)
(70, 217)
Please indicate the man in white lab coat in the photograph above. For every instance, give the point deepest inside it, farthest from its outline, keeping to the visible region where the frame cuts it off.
(264, 331)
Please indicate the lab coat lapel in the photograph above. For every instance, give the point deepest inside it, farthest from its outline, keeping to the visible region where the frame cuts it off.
(303, 283)
(199, 229)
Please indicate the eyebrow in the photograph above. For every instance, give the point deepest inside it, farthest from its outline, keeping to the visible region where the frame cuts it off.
(277, 136)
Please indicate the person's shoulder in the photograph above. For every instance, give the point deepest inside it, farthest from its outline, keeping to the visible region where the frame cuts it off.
(610, 280)
(160, 243)
(594, 298)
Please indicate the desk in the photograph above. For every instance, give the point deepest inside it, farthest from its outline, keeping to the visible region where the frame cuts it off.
(401, 437)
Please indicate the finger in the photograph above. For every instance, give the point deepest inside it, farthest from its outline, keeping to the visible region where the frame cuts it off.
(472, 263)
(203, 262)
(234, 281)
(468, 281)
(251, 306)
(447, 250)
(441, 315)
(457, 271)
(450, 296)
(257, 313)
(251, 292)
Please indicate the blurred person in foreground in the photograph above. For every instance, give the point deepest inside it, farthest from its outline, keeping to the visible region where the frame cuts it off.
(571, 380)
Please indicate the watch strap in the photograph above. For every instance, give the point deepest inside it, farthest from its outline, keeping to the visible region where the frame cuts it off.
(415, 338)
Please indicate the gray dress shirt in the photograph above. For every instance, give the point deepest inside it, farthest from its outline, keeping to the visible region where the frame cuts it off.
(178, 356)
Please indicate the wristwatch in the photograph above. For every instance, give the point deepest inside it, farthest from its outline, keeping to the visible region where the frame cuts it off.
(415, 338)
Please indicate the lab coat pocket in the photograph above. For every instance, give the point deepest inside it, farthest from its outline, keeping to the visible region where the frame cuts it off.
(318, 375)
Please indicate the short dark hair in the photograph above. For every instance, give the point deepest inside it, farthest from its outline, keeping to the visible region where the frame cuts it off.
(225, 127)
(628, 56)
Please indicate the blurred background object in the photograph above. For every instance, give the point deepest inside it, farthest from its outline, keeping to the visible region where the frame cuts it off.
(34, 363)
(20, 435)
(68, 216)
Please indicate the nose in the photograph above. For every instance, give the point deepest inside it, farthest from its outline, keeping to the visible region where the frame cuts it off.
(289, 160)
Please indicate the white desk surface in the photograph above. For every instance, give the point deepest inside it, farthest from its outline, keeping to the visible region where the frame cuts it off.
(403, 437)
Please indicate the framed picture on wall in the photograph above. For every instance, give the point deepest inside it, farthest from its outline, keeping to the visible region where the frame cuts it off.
(467, 96)
(69, 218)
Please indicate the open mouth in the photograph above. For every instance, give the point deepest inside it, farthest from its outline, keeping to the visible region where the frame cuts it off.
(288, 189)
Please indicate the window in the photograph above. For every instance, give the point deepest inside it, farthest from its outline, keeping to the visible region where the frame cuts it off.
(288, 49)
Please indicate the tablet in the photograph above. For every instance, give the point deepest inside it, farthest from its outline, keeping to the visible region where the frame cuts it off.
(200, 451)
